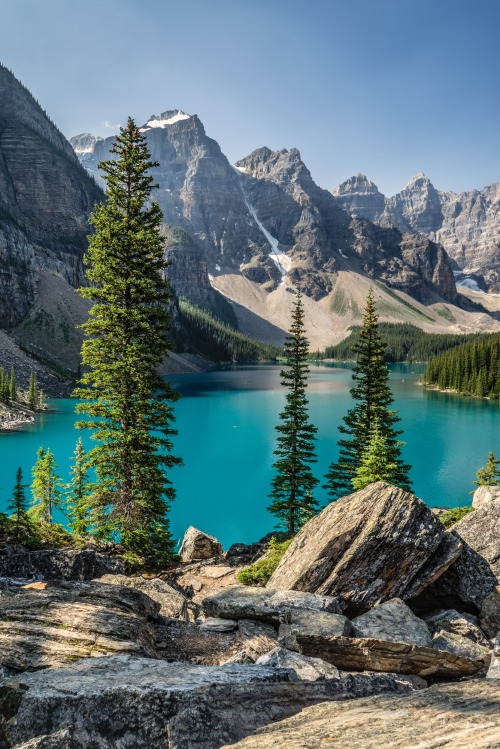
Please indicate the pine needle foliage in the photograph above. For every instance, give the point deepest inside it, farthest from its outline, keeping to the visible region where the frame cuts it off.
(46, 488)
(292, 486)
(77, 496)
(489, 475)
(373, 398)
(471, 369)
(127, 402)
(376, 463)
(18, 503)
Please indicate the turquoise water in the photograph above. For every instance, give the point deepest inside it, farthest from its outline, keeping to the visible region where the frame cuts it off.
(226, 422)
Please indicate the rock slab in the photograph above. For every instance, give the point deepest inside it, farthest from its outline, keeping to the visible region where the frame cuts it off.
(263, 604)
(365, 548)
(393, 621)
(137, 702)
(464, 715)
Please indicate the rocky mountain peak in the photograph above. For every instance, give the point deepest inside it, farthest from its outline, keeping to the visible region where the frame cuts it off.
(359, 184)
(170, 117)
(418, 180)
(84, 143)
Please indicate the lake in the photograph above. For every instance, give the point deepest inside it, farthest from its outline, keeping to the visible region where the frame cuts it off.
(226, 421)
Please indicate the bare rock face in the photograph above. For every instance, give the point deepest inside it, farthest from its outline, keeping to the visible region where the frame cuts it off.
(199, 545)
(476, 572)
(57, 564)
(490, 613)
(484, 495)
(449, 716)
(172, 603)
(494, 669)
(365, 548)
(247, 602)
(137, 702)
(305, 669)
(48, 625)
(393, 621)
(370, 654)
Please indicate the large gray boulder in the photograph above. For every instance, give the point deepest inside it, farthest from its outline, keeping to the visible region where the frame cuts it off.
(462, 715)
(49, 625)
(172, 603)
(365, 548)
(392, 621)
(484, 495)
(199, 545)
(476, 572)
(490, 613)
(263, 604)
(121, 701)
(321, 624)
(57, 564)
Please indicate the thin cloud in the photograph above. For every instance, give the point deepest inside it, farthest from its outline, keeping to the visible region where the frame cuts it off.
(108, 124)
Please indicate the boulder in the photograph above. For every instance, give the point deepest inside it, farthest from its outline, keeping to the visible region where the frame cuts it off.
(304, 668)
(484, 495)
(58, 623)
(62, 739)
(57, 564)
(490, 613)
(199, 545)
(263, 604)
(121, 701)
(446, 553)
(370, 654)
(463, 624)
(218, 625)
(476, 572)
(392, 621)
(172, 603)
(494, 669)
(462, 646)
(462, 715)
(365, 548)
(322, 624)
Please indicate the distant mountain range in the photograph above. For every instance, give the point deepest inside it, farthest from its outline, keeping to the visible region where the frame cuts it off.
(251, 233)
(467, 224)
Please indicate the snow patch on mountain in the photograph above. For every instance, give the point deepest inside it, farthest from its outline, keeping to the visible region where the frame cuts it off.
(167, 118)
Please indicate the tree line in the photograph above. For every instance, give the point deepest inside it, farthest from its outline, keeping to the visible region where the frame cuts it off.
(470, 369)
(402, 342)
(11, 395)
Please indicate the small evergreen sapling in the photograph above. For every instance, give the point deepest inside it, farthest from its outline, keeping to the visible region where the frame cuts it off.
(293, 484)
(489, 475)
(78, 493)
(18, 504)
(376, 463)
(46, 488)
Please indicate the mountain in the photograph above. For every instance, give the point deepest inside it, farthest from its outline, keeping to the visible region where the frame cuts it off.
(265, 228)
(467, 224)
(45, 199)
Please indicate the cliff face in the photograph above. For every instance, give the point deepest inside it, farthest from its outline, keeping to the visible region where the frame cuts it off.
(466, 224)
(45, 198)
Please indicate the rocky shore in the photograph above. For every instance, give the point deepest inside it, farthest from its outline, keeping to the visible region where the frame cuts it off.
(377, 626)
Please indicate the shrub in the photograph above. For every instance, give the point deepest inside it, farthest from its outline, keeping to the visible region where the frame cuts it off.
(260, 571)
(452, 516)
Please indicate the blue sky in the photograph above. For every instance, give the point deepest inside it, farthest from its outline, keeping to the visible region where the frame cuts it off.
(384, 87)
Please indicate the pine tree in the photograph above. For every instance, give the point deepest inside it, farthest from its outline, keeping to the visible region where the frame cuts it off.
(373, 398)
(78, 493)
(376, 463)
(46, 487)
(33, 392)
(12, 385)
(489, 475)
(294, 483)
(126, 338)
(18, 504)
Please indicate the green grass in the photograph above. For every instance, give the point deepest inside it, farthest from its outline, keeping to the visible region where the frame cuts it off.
(450, 517)
(260, 572)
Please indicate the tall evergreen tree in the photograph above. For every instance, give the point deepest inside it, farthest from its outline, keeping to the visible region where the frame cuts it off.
(294, 483)
(373, 400)
(489, 475)
(33, 392)
(46, 487)
(18, 504)
(12, 385)
(126, 338)
(78, 493)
